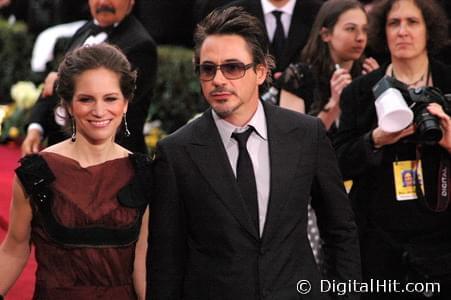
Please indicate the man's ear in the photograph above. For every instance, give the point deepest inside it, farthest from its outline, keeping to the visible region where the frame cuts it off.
(130, 6)
(325, 34)
(262, 72)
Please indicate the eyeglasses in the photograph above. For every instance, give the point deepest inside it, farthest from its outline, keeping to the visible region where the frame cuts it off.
(231, 70)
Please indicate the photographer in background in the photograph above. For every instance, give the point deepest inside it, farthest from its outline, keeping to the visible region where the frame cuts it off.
(396, 227)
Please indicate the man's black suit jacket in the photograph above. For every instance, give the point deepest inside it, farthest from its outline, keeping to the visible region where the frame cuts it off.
(203, 244)
(304, 14)
(132, 38)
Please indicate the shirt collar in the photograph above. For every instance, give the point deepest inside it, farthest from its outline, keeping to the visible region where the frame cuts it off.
(268, 7)
(258, 121)
(97, 23)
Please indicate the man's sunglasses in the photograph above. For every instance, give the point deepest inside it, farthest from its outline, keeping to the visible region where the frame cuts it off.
(231, 70)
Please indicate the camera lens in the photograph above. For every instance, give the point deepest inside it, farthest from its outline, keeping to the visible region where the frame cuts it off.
(428, 128)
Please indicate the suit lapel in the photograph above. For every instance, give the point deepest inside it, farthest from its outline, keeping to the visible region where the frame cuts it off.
(208, 153)
(297, 35)
(284, 158)
(80, 37)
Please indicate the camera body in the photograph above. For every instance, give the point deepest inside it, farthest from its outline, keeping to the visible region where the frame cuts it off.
(428, 130)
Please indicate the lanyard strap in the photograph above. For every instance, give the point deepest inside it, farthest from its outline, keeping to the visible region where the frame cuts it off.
(443, 190)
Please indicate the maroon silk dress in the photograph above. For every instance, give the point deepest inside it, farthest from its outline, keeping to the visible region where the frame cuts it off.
(85, 198)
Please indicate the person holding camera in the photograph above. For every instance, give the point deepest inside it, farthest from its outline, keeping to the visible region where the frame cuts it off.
(398, 227)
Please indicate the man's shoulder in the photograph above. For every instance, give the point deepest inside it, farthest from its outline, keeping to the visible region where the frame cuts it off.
(186, 134)
(132, 31)
(280, 115)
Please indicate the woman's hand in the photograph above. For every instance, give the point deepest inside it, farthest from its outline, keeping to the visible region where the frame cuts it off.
(369, 65)
(382, 138)
(445, 123)
(340, 79)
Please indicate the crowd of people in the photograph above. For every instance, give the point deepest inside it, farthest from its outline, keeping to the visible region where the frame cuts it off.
(226, 207)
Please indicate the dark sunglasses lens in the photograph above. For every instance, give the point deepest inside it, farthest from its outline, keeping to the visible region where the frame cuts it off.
(233, 70)
(207, 71)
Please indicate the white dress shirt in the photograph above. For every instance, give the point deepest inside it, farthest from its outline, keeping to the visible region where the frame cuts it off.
(270, 19)
(257, 146)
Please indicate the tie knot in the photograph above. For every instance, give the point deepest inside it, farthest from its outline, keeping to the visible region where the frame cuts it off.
(96, 29)
(277, 14)
(242, 137)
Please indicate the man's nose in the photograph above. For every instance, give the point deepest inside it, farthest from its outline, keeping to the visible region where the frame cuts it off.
(219, 77)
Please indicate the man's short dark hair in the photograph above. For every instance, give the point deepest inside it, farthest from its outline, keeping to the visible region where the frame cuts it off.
(235, 21)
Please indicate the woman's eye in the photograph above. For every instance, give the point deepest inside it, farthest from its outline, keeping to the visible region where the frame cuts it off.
(392, 23)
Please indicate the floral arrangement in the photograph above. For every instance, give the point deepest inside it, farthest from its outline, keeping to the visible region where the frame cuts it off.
(13, 116)
(153, 133)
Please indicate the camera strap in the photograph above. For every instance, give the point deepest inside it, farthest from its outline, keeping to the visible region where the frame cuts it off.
(443, 182)
(443, 189)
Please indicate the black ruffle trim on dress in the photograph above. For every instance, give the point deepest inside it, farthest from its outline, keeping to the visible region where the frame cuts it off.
(36, 177)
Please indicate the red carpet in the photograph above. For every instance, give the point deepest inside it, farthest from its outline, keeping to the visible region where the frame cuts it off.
(9, 155)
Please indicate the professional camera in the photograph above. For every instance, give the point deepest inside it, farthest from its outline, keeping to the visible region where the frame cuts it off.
(390, 93)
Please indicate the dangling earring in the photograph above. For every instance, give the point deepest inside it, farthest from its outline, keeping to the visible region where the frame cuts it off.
(73, 137)
(127, 132)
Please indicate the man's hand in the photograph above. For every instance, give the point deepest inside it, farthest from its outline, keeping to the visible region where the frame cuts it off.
(32, 142)
(49, 84)
(4, 3)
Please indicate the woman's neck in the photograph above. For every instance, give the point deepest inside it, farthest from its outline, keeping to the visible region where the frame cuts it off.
(346, 64)
(87, 153)
(410, 71)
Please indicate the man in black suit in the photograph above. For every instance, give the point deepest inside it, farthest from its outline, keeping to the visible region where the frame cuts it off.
(297, 17)
(229, 217)
(111, 23)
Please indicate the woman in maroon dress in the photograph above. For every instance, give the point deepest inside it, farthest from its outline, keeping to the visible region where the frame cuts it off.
(83, 202)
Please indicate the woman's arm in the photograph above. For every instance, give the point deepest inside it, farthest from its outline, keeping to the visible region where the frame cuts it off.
(331, 111)
(291, 101)
(15, 248)
(139, 273)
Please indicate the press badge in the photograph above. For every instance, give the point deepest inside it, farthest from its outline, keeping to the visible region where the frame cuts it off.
(406, 174)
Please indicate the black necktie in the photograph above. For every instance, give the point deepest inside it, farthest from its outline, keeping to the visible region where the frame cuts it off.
(278, 42)
(245, 174)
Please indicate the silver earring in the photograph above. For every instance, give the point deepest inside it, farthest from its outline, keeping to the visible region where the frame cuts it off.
(73, 137)
(127, 132)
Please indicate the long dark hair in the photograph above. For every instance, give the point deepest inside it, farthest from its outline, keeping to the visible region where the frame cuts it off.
(316, 52)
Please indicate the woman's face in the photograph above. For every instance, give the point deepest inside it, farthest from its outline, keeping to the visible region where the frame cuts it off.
(406, 31)
(348, 38)
(98, 105)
